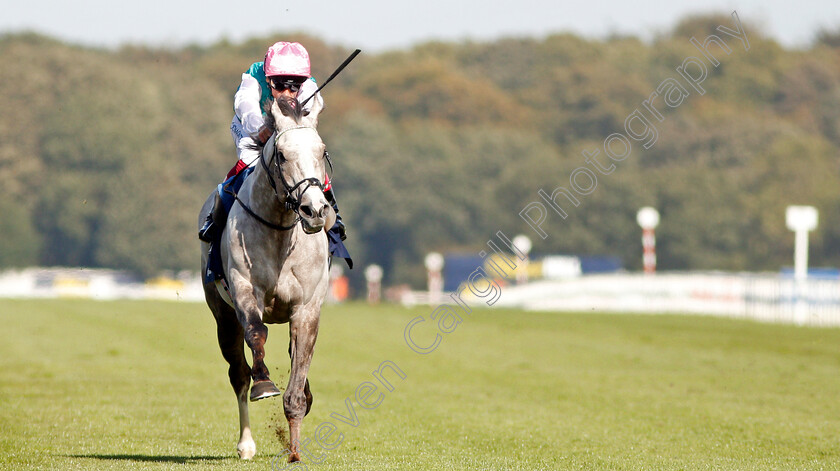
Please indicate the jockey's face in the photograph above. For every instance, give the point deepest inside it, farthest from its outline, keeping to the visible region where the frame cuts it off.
(285, 87)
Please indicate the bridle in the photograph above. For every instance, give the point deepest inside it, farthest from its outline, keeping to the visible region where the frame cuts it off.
(288, 199)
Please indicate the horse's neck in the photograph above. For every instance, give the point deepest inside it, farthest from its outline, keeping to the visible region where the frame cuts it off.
(261, 197)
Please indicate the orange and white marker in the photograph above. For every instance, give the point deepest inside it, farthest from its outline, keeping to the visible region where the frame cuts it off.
(648, 218)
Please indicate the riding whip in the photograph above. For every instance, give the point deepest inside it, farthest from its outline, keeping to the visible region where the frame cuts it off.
(337, 71)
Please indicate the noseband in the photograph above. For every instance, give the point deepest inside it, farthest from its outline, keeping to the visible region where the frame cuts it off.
(288, 199)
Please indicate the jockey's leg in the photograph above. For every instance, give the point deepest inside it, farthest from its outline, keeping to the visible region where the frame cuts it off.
(338, 227)
(215, 222)
(213, 225)
(211, 231)
(337, 232)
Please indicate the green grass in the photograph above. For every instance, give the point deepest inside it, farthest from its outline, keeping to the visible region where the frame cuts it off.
(142, 385)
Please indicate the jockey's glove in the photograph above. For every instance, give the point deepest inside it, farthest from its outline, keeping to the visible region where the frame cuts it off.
(261, 136)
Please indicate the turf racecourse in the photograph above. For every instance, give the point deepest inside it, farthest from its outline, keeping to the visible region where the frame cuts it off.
(142, 385)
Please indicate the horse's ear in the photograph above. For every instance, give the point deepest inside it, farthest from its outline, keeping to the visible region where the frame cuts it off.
(317, 107)
(275, 114)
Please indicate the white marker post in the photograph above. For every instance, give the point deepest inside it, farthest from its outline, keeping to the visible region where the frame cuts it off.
(373, 275)
(434, 266)
(648, 219)
(523, 243)
(801, 220)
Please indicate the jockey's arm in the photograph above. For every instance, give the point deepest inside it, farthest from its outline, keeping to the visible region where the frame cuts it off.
(246, 104)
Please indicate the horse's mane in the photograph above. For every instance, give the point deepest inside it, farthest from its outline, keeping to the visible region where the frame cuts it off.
(289, 107)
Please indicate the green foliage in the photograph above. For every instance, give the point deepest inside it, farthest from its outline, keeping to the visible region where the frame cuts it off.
(828, 37)
(106, 156)
(21, 242)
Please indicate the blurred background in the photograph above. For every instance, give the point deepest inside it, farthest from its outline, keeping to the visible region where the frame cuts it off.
(115, 130)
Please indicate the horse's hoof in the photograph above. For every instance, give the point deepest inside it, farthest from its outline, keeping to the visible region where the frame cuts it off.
(264, 389)
(246, 451)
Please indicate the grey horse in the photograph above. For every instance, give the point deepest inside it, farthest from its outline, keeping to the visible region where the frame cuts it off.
(276, 262)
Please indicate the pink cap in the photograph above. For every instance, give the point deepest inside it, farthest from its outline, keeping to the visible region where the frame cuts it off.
(286, 58)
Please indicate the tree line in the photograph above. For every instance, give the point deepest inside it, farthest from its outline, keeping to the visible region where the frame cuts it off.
(107, 155)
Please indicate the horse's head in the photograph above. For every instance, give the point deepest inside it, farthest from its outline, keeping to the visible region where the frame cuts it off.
(299, 156)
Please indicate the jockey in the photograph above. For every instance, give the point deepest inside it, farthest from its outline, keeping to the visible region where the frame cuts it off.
(285, 73)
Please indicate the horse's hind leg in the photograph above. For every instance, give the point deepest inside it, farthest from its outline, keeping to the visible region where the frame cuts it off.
(232, 342)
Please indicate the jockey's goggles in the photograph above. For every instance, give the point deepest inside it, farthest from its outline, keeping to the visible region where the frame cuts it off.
(285, 83)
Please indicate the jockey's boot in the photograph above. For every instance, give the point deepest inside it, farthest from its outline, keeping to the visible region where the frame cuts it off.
(212, 227)
(339, 224)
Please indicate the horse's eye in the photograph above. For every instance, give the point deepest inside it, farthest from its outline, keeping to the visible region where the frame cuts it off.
(281, 157)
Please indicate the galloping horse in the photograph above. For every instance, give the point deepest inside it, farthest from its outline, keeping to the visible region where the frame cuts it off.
(275, 259)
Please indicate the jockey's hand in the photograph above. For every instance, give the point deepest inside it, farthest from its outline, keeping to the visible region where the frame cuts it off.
(261, 136)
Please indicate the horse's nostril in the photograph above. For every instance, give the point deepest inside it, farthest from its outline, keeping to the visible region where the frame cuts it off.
(307, 211)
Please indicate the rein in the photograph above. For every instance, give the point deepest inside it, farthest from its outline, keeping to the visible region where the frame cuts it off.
(288, 201)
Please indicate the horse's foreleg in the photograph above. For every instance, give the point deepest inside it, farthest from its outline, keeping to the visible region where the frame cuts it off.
(303, 330)
(256, 333)
(306, 391)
